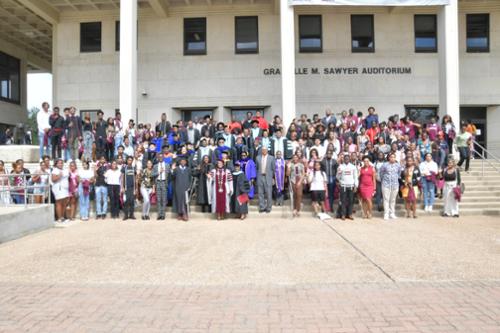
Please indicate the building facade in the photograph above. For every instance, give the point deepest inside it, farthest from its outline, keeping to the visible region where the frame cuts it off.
(223, 58)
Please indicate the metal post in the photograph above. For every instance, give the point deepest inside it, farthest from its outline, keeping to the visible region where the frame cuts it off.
(482, 161)
(25, 192)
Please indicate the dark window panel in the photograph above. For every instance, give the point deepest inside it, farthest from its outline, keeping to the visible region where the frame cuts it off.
(310, 33)
(246, 34)
(478, 32)
(90, 37)
(195, 36)
(117, 36)
(425, 33)
(10, 79)
(362, 33)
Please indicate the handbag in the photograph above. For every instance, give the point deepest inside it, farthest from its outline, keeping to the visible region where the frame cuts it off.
(153, 199)
(405, 190)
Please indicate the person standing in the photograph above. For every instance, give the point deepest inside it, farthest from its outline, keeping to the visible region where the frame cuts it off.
(347, 176)
(87, 178)
(60, 189)
(201, 171)
(247, 166)
(452, 182)
(220, 189)
(317, 184)
(296, 174)
(5, 198)
(74, 136)
(41, 182)
(57, 124)
(147, 188)
(161, 172)
(240, 192)
(279, 178)
(389, 175)
(42, 120)
(265, 172)
(463, 142)
(100, 128)
(367, 181)
(429, 170)
(101, 190)
(330, 166)
(18, 181)
(88, 137)
(113, 180)
(410, 179)
(128, 189)
(73, 183)
(181, 176)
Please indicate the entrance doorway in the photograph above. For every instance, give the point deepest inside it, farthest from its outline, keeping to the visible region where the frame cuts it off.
(477, 115)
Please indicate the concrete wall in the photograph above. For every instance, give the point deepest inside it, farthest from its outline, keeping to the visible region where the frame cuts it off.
(18, 221)
(11, 113)
(223, 79)
(492, 126)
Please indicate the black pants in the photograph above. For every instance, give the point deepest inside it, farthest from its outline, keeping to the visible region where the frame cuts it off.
(128, 205)
(110, 151)
(347, 198)
(114, 199)
(100, 148)
(464, 156)
(56, 146)
(331, 193)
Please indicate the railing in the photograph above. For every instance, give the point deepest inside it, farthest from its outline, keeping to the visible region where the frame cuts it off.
(25, 191)
(486, 156)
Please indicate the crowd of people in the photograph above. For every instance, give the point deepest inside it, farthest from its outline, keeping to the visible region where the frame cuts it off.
(223, 166)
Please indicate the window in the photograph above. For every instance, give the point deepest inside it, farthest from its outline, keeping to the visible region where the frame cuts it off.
(10, 79)
(362, 33)
(421, 114)
(92, 114)
(425, 33)
(117, 36)
(90, 37)
(241, 114)
(310, 39)
(195, 36)
(195, 114)
(478, 33)
(246, 34)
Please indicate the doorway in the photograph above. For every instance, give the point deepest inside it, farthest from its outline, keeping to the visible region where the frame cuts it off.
(477, 115)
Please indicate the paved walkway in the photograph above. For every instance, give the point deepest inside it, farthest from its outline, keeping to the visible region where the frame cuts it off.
(299, 275)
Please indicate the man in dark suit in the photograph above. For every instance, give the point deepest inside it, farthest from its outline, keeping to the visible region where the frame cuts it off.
(330, 165)
(164, 126)
(265, 172)
(193, 134)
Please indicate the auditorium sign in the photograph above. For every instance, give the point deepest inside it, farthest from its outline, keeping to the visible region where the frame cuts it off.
(335, 71)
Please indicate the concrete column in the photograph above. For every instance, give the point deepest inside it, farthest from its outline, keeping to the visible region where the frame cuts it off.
(128, 60)
(287, 32)
(449, 76)
(54, 64)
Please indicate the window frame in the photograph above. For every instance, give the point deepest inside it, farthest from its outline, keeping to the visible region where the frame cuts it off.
(311, 49)
(477, 49)
(245, 51)
(9, 89)
(425, 49)
(363, 49)
(82, 49)
(188, 52)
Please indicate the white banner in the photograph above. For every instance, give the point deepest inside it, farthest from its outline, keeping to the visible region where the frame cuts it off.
(370, 2)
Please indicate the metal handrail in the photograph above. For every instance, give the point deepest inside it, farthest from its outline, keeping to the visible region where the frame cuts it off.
(488, 157)
(25, 188)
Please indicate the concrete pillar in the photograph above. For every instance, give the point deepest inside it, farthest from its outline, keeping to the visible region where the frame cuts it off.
(54, 64)
(287, 33)
(492, 132)
(449, 76)
(128, 60)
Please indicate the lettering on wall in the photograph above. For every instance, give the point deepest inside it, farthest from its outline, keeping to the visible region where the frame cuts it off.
(343, 71)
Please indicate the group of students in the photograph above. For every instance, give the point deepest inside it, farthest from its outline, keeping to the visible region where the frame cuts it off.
(224, 166)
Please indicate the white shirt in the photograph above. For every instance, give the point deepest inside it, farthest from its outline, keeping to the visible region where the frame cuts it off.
(42, 119)
(317, 180)
(85, 174)
(427, 167)
(279, 145)
(113, 176)
(162, 175)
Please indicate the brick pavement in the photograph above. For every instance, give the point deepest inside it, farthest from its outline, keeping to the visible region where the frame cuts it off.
(377, 307)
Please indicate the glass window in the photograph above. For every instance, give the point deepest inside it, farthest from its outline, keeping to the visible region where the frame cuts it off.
(362, 33)
(478, 32)
(10, 78)
(310, 38)
(195, 36)
(241, 114)
(90, 37)
(421, 114)
(425, 33)
(246, 34)
(195, 114)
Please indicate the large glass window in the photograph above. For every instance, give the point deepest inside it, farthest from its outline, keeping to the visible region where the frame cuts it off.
(310, 34)
(90, 37)
(421, 114)
(241, 114)
(195, 36)
(478, 32)
(196, 114)
(362, 33)
(10, 79)
(246, 34)
(425, 33)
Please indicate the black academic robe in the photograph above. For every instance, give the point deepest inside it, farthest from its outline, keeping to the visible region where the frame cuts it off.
(181, 183)
(202, 189)
(241, 186)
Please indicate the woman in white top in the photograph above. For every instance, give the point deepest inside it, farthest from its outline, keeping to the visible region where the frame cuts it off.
(41, 182)
(317, 182)
(4, 185)
(86, 179)
(428, 170)
(112, 177)
(60, 186)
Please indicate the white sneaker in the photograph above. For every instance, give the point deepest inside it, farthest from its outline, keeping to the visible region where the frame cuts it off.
(386, 217)
(393, 216)
(426, 208)
(430, 208)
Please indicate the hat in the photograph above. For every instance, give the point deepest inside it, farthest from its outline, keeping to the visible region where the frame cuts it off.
(237, 164)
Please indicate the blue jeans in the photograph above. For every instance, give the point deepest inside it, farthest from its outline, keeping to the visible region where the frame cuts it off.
(84, 203)
(378, 195)
(429, 189)
(44, 150)
(118, 143)
(101, 200)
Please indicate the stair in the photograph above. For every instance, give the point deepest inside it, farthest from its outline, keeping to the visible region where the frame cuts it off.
(481, 197)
